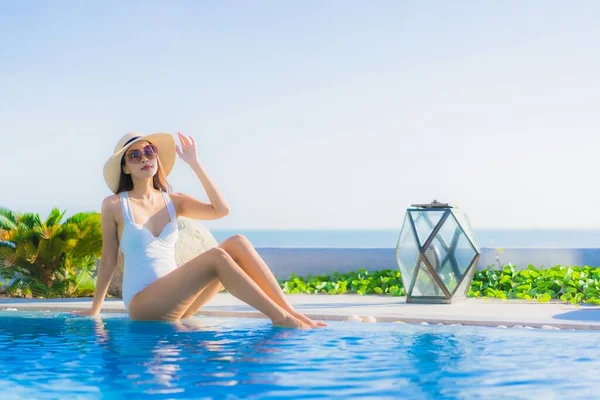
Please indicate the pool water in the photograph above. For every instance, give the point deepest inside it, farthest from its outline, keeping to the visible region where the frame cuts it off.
(47, 355)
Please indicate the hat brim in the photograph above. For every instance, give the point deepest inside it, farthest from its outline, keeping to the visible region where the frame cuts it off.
(166, 153)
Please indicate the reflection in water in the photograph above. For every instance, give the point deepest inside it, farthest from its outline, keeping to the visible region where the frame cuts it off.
(170, 355)
(61, 356)
(150, 356)
(432, 354)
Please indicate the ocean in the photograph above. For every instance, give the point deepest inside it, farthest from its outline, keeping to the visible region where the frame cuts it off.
(359, 238)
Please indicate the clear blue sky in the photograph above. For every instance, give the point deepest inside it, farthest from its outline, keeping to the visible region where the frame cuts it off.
(312, 114)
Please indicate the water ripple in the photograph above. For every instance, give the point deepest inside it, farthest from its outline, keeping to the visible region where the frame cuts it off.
(50, 355)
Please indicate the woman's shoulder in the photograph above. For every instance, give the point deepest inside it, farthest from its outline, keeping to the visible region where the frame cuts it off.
(176, 195)
(177, 198)
(110, 203)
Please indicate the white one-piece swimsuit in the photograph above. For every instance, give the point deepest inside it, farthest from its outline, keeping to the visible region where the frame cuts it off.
(146, 257)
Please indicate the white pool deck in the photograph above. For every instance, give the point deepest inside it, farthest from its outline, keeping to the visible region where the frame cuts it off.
(480, 312)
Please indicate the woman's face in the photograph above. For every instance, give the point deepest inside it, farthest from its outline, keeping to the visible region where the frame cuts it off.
(141, 160)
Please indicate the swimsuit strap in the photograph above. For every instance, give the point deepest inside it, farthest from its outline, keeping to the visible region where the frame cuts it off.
(126, 207)
(170, 206)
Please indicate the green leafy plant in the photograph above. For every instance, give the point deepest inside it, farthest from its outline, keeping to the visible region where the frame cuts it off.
(569, 284)
(362, 282)
(49, 258)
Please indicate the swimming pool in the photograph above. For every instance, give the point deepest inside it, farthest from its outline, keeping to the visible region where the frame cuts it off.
(55, 355)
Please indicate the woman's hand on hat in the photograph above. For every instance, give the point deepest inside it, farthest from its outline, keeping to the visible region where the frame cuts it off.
(187, 152)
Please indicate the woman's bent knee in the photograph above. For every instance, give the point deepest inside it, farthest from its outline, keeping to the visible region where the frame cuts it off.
(213, 260)
(217, 251)
(210, 258)
(238, 238)
(222, 259)
(220, 255)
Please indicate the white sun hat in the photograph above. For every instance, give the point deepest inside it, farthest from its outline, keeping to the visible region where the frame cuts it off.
(164, 142)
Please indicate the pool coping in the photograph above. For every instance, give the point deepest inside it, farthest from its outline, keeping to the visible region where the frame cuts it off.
(372, 308)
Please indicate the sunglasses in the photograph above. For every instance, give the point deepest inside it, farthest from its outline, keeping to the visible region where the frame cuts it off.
(135, 156)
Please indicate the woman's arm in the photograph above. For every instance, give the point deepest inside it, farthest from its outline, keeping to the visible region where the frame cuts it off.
(188, 206)
(108, 258)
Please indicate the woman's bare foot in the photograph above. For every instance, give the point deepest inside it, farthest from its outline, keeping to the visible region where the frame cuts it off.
(290, 321)
(308, 321)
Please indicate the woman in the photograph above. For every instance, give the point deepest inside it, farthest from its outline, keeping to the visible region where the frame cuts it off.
(140, 220)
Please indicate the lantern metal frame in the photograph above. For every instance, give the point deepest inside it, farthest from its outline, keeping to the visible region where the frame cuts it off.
(450, 249)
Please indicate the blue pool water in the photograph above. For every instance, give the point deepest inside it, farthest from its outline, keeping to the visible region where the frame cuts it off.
(56, 355)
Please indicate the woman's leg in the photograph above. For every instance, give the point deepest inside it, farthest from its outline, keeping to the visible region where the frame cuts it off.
(204, 297)
(169, 297)
(246, 256)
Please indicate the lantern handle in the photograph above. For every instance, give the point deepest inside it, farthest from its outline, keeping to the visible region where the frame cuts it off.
(433, 204)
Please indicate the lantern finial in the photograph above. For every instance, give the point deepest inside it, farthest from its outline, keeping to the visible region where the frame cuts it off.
(433, 204)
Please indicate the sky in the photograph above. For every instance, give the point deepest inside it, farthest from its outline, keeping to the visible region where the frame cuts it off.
(312, 114)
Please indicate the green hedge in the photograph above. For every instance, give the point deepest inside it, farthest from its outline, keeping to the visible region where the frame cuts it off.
(570, 284)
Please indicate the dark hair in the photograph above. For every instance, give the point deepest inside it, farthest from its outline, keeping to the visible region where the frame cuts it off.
(159, 180)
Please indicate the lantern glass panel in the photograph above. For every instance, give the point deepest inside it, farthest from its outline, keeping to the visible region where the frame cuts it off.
(454, 253)
(425, 222)
(407, 252)
(425, 285)
(464, 254)
(450, 275)
(463, 220)
(463, 289)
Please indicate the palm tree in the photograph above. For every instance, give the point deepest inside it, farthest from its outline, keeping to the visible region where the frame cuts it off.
(49, 257)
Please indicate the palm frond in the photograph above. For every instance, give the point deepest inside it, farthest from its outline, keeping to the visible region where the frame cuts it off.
(50, 257)
(26, 253)
(8, 219)
(49, 231)
(55, 217)
(81, 217)
(84, 284)
(28, 285)
(30, 219)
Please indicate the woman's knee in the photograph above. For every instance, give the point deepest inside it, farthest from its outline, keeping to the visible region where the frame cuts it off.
(210, 260)
(241, 239)
(224, 261)
(220, 256)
